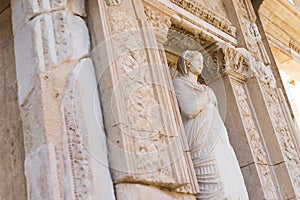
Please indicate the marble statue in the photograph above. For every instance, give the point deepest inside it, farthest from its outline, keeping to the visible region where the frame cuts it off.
(216, 166)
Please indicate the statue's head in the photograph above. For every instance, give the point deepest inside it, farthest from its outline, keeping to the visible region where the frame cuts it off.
(190, 61)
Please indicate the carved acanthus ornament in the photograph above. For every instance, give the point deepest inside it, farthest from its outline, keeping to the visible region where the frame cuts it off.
(159, 21)
(223, 58)
(237, 60)
(207, 15)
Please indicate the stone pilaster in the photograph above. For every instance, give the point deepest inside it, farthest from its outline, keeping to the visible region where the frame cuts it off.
(159, 18)
(65, 149)
(12, 151)
(233, 66)
(263, 89)
(145, 138)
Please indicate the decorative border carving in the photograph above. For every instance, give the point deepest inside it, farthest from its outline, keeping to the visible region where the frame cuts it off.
(256, 143)
(294, 46)
(283, 134)
(78, 152)
(113, 2)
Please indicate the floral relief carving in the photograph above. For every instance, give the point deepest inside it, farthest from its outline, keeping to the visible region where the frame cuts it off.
(279, 122)
(283, 134)
(121, 21)
(268, 85)
(138, 124)
(259, 152)
(255, 42)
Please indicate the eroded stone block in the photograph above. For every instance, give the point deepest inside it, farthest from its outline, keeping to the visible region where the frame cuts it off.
(46, 42)
(143, 192)
(38, 170)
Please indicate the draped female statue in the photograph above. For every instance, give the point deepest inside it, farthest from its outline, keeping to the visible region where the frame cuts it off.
(217, 169)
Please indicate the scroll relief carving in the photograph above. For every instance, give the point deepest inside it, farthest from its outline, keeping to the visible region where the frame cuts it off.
(255, 42)
(134, 84)
(257, 147)
(284, 135)
(126, 35)
(280, 123)
(140, 121)
(207, 14)
(268, 83)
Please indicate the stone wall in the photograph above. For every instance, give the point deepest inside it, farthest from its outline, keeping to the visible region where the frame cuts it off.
(64, 137)
(12, 184)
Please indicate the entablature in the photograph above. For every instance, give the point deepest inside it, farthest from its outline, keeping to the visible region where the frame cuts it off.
(197, 19)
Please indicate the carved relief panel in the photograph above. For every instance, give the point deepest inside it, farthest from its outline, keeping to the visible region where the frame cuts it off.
(145, 140)
(255, 140)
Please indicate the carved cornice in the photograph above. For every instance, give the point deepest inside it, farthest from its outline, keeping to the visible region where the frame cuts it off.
(207, 15)
(294, 46)
(281, 24)
(113, 2)
(180, 39)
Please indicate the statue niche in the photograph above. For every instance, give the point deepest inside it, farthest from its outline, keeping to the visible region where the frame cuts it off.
(216, 166)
